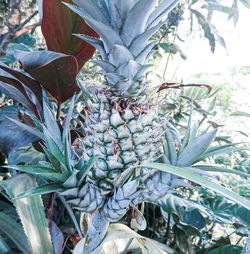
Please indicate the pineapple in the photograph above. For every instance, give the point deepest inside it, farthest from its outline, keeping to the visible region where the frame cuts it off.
(123, 128)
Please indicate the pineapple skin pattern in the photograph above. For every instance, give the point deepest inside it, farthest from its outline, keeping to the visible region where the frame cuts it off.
(123, 128)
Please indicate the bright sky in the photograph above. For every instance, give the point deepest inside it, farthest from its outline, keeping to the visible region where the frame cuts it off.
(201, 59)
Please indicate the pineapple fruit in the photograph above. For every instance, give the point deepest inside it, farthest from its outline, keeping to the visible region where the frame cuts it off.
(123, 128)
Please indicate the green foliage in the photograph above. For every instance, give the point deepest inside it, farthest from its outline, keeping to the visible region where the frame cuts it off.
(15, 232)
(31, 213)
(23, 42)
(200, 180)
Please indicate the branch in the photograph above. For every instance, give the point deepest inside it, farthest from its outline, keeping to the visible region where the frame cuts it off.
(5, 39)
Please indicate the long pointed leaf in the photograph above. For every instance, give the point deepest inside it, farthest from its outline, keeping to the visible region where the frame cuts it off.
(195, 149)
(66, 126)
(15, 232)
(41, 190)
(27, 128)
(55, 161)
(160, 11)
(31, 213)
(51, 123)
(188, 130)
(84, 168)
(89, 8)
(200, 180)
(139, 43)
(172, 155)
(220, 151)
(32, 84)
(136, 19)
(221, 169)
(39, 170)
(98, 44)
(215, 148)
(15, 90)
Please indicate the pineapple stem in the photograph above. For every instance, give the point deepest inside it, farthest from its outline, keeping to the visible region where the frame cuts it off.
(71, 213)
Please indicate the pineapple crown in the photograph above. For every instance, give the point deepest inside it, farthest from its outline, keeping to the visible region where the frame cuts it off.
(125, 28)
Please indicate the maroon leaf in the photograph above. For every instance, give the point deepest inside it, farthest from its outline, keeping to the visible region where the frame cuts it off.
(56, 72)
(58, 25)
(32, 84)
(168, 85)
(16, 91)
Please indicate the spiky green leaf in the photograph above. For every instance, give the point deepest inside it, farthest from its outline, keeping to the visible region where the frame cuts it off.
(221, 169)
(136, 20)
(203, 181)
(170, 149)
(219, 151)
(84, 168)
(160, 12)
(41, 190)
(31, 213)
(195, 149)
(15, 232)
(66, 126)
(47, 173)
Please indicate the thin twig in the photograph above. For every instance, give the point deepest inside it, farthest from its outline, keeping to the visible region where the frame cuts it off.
(26, 21)
(166, 66)
(8, 37)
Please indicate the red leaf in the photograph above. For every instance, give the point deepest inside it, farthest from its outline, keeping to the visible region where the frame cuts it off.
(25, 101)
(59, 24)
(56, 72)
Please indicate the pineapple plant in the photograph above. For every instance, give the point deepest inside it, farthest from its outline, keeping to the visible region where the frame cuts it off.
(123, 127)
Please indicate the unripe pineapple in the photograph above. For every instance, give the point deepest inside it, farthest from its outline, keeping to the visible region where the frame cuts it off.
(122, 137)
(123, 128)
